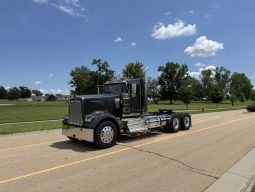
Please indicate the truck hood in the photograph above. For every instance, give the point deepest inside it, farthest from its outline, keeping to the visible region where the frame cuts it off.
(85, 97)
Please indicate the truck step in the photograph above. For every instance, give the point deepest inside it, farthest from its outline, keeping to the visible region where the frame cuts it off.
(136, 125)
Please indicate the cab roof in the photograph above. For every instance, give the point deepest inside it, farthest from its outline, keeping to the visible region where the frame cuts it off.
(116, 81)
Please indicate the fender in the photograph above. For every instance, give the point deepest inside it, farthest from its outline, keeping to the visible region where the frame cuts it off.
(104, 116)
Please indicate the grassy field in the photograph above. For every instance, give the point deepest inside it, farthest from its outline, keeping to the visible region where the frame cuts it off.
(196, 107)
(20, 128)
(18, 111)
(253, 188)
(31, 111)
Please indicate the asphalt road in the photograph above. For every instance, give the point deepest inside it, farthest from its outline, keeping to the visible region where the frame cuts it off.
(186, 161)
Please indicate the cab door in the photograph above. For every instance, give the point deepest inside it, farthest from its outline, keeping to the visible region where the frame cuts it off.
(135, 97)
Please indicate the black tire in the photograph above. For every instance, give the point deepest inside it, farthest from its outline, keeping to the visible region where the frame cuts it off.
(185, 122)
(174, 125)
(105, 135)
(72, 139)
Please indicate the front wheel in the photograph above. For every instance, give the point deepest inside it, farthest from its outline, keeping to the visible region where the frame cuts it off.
(105, 135)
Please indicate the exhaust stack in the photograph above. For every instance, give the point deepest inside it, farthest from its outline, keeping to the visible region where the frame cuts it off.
(145, 95)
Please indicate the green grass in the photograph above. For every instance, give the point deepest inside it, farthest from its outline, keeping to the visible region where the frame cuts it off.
(39, 111)
(20, 128)
(253, 188)
(196, 107)
(31, 111)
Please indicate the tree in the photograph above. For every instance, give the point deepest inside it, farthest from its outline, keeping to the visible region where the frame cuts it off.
(186, 95)
(172, 77)
(253, 95)
(217, 95)
(25, 92)
(218, 77)
(103, 73)
(242, 98)
(37, 92)
(85, 81)
(197, 89)
(207, 81)
(82, 81)
(241, 86)
(233, 99)
(133, 70)
(3, 93)
(13, 93)
(222, 79)
(153, 89)
(51, 97)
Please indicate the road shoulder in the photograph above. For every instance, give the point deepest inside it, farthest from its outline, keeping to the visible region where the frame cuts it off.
(238, 178)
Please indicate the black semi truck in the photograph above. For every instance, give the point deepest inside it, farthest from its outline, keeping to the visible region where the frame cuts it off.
(120, 108)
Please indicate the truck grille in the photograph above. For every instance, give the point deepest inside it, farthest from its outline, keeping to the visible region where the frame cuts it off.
(75, 112)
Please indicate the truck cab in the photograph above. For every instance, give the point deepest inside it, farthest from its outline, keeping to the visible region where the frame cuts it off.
(120, 108)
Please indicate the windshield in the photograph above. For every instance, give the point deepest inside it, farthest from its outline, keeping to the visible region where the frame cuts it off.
(113, 88)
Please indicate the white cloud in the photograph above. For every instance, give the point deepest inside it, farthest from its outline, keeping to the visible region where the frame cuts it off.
(133, 44)
(191, 12)
(167, 13)
(56, 91)
(252, 77)
(37, 82)
(212, 67)
(204, 47)
(197, 74)
(117, 40)
(179, 28)
(70, 7)
(43, 91)
(51, 75)
(41, 1)
(200, 65)
(59, 91)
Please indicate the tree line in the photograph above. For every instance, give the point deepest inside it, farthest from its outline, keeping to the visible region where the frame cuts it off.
(173, 83)
(18, 92)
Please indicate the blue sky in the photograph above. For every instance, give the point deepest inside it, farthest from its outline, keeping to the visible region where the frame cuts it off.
(41, 41)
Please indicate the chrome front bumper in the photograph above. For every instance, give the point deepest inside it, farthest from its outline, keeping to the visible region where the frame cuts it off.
(79, 133)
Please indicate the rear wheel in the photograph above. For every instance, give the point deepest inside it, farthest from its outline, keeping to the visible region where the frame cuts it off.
(174, 124)
(185, 122)
(105, 135)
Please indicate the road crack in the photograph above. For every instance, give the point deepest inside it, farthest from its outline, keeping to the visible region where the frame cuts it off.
(188, 167)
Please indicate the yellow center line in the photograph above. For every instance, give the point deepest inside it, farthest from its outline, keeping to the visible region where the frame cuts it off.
(117, 151)
(47, 142)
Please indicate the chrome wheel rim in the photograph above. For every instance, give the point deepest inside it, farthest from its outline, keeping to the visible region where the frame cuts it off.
(176, 123)
(186, 121)
(107, 134)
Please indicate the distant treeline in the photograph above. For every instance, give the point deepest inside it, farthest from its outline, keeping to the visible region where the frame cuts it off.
(175, 82)
(22, 92)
